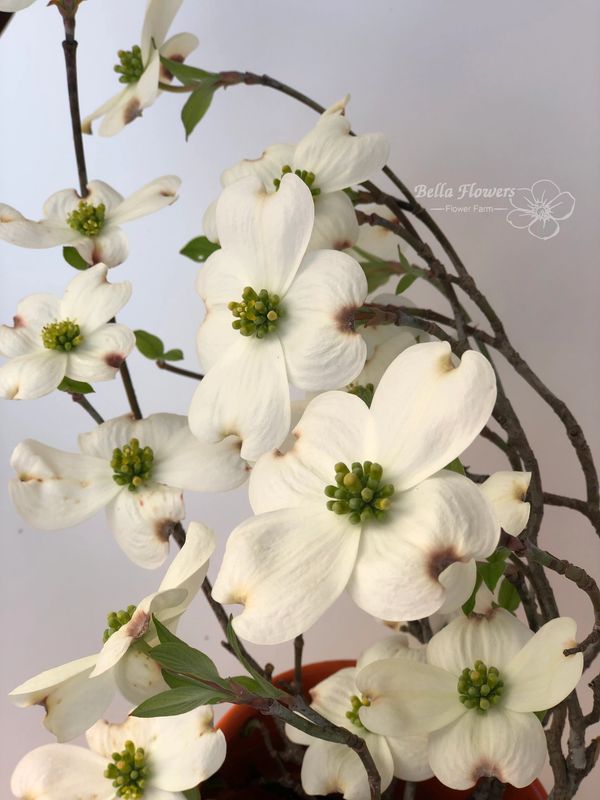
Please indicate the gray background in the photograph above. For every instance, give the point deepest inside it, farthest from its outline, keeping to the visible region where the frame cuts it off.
(502, 94)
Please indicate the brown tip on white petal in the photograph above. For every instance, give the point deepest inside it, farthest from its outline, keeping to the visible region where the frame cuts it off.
(8, 217)
(18, 322)
(446, 363)
(138, 624)
(486, 769)
(344, 244)
(345, 319)
(114, 360)
(165, 528)
(132, 110)
(168, 193)
(24, 477)
(439, 560)
(254, 160)
(166, 76)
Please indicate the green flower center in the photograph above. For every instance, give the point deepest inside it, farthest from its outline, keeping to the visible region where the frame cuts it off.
(116, 620)
(128, 772)
(132, 464)
(356, 703)
(87, 219)
(257, 313)
(130, 68)
(360, 492)
(64, 335)
(304, 175)
(365, 393)
(480, 687)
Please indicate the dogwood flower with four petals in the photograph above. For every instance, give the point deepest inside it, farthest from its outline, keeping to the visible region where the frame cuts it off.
(328, 767)
(362, 501)
(274, 314)
(328, 159)
(137, 469)
(75, 695)
(153, 759)
(90, 224)
(52, 338)
(476, 695)
(141, 70)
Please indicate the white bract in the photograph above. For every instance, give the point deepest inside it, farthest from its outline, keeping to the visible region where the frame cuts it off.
(329, 160)
(506, 491)
(362, 500)
(90, 224)
(476, 695)
(274, 314)
(328, 767)
(137, 469)
(75, 695)
(153, 759)
(140, 69)
(52, 338)
(15, 5)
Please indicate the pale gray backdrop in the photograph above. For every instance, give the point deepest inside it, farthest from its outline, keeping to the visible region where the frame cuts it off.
(501, 94)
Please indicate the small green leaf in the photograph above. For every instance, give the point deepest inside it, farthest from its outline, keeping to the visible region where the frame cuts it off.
(470, 604)
(72, 257)
(197, 105)
(149, 345)
(191, 794)
(456, 466)
(491, 572)
(376, 273)
(177, 681)
(75, 387)
(178, 701)
(501, 554)
(199, 249)
(164, 634)
(508, 597)
(405, 282)
(185, 73)
(173, 355)
(180, 657)
(248, 683)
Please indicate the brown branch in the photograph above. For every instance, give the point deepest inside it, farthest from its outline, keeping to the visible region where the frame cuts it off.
(298, 650)
(178, 370)
(82, 401)
(130, 391)
(70, 51)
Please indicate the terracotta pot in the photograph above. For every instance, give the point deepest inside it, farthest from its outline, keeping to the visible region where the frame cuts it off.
(248, 758)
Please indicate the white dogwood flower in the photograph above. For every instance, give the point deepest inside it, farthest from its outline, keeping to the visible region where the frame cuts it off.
(506, 491)
(75, 695)
(153, 759)
(362, 501)
(52, 338)
(328, 159)
(274, 314)
(15, 5)
(90, 224)
(137, 469)
(140, 69)
(328, 767)
(476, 696)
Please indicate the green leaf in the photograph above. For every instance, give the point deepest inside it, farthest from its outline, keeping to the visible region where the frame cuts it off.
(405, 282)
(177, 681)
(199, 249)
(191, 794)
(173, 355)
(74, 387)
(501, 554)
(197, 105)
(470, 604)
(491, 572)
(187, 74)
(178, 701)
(180, 657)
(149, 345)
(377, 273)
(266, 687)
(248, 683)
(508, 597)
(456, 466)
(72, 257)
(164, 634)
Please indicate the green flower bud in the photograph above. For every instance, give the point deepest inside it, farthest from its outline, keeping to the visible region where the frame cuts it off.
(132, 465)
(87, 219)
(359, 492)
(130, 67)
(304, 175)
(480, 687)
(63, 336)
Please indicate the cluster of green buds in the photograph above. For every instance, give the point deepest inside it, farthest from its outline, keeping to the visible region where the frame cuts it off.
(132, 464)
(257, 313)
(87, 219)
(131, 67)
(307, 177)
(128, 772)
(480, 687)
(359, 492)
(356, 704)
(116, 620)
(63, 336)
(365, 393)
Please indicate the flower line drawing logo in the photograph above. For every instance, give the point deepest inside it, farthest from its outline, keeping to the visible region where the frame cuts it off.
(540, 209)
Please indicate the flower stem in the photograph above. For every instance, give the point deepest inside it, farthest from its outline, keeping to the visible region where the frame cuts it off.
(70, 50)
(178, 370)
(130, 391)
(82, 401)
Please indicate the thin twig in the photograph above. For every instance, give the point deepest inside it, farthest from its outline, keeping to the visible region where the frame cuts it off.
(298, 650)
(70, 50)
(166, 365)
(130, 391)
(82, 401)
